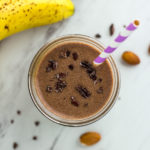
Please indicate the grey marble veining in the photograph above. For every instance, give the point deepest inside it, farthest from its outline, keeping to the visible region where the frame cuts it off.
(125, 127)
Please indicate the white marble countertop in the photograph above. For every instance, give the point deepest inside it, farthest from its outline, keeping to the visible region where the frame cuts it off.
(125, 127)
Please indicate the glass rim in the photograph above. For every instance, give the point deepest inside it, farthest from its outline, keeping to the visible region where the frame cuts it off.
(88, 120)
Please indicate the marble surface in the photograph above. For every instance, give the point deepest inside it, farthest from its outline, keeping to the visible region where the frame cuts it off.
(125, 127)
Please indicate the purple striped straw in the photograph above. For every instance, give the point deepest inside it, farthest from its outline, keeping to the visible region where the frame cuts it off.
(117, 41)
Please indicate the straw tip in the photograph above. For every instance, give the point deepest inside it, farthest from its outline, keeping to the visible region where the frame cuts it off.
(95, 64)
(136, 22)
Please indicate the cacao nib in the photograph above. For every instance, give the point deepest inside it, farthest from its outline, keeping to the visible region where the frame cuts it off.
(48, 69)
(64, 54)
(34, 137)
(37, 123)
(15, 145)
(85, 64)
(18, 112)
(12, 121)
(97, 35)
(75, 56)
(74, 101)
(111, 29)
(93, 75)
(83, 91)
(89, 69)
(60, 75)
(71, 67)
(67, 53)
(52, 64)
(60, 85)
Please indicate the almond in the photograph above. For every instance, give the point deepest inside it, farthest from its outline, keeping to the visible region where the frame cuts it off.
(90, 138)
(130, 58)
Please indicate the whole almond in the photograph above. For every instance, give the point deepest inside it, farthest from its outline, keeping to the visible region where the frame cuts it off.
(130, 58)
(90, 138)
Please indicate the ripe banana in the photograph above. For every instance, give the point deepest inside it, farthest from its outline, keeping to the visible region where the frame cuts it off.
(18, 15)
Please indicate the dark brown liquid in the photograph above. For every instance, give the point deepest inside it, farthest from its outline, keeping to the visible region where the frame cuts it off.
(69, 85)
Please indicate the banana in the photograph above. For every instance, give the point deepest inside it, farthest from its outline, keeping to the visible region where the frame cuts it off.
(19, 15)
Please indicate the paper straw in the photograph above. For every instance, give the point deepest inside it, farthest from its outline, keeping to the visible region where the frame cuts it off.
(117, 41)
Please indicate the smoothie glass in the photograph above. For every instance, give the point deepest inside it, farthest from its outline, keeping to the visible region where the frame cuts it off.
(36, 99)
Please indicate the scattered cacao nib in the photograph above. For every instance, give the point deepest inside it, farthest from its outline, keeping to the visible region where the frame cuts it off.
(15, 145)
(37, 123)
(85, 64)
(75, 56)
(85, 104)
(60, 75)
(74, 101)
(52, 64)
(34, 137)
(83, 91)
(71, 67)
(64, 54)
(90, 70)
(67, 53)
(48, 69)
(111, 29)
(60, 85)
(100, 90)
(18, 112)
(124, 26)
(49, 89)
(149, 49)
(97, 35)
(93, 75)
(12, 121)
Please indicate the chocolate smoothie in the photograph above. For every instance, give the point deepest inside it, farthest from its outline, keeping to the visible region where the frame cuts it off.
(69, 85)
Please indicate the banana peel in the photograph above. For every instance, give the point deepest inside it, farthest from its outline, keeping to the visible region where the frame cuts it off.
(19, 15)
